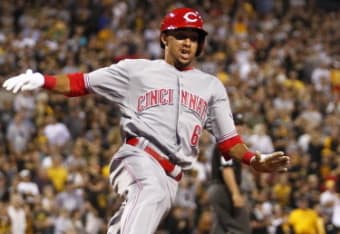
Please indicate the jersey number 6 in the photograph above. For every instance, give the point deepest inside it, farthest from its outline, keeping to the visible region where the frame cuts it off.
(196, 135)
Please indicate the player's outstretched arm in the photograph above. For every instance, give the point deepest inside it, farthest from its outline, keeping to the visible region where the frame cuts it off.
(68, 84)
(274, 162)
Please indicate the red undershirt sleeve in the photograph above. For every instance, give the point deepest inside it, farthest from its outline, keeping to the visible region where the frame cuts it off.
(225, 146)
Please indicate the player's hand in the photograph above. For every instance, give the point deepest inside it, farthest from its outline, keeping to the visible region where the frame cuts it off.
(238, 200)
(25, 81)
(274, 162)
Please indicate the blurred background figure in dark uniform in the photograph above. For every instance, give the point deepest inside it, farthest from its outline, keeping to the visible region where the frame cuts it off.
(227, 201)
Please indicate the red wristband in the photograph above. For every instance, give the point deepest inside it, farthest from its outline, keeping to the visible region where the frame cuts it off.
(49, 82)
(247, 156)
(77, 85)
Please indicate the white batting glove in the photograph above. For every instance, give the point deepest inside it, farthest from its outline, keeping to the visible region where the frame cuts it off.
(24, 82)
(274, 162)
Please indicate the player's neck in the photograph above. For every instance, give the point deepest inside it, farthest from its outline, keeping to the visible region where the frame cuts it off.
(185, 68)
(180, 66)
(177, 62)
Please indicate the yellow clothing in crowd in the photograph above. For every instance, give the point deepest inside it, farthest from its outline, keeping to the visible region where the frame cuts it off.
(282, 193)
(305, 221)
(335, 79)
(294, 84)
(58, 176)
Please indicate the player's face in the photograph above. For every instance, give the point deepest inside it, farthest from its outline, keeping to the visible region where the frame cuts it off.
(181, 46)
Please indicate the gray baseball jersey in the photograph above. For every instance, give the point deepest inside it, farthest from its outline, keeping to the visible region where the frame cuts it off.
(167, 106)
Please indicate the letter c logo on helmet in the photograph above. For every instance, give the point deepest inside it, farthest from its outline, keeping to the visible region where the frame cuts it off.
(190, 16)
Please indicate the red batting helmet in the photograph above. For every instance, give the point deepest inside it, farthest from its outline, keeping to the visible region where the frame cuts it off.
(184, 18)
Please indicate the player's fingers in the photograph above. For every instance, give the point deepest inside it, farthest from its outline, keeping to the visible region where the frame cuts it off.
(267, 158)
(277, 154)
(26, 87)
(280, 166)
(5, 84)
(19, 85)
(10, 83)
(282, 160)
(16, 86)
(29, 72)
(274, 156)
(279, 163)
(257, 156)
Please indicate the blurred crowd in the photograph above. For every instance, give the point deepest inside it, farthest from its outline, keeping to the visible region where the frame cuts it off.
(279, 61)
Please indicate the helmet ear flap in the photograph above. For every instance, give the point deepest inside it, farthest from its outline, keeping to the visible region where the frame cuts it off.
(201, 42)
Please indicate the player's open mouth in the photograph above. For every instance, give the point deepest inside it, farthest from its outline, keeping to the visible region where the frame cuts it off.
(185, 54)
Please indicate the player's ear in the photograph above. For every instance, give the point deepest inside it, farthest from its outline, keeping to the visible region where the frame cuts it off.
(164, 39)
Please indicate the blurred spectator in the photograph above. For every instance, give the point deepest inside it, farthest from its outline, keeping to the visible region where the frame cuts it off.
(57, 172)
(303, 219)
(42, 219)
(178, 221)
(321, 77)
(75, 121)
(282, 190)
(258, 219)
(48, 199)
(70, 199)
(63, 222)
(4, 188)
(204, 223)
(310, 116)
(19, 132)
(56, 132)
(17, 213)
(284, 101)
(248, 183)
(26, 187)
(25, 102)
(93, 222)
(186, 194)
(278, 221)
(260, 140)
(5, 221)
(336, 215)
(328, 203)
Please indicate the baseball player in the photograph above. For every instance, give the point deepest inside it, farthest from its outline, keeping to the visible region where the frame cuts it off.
(165, 104)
